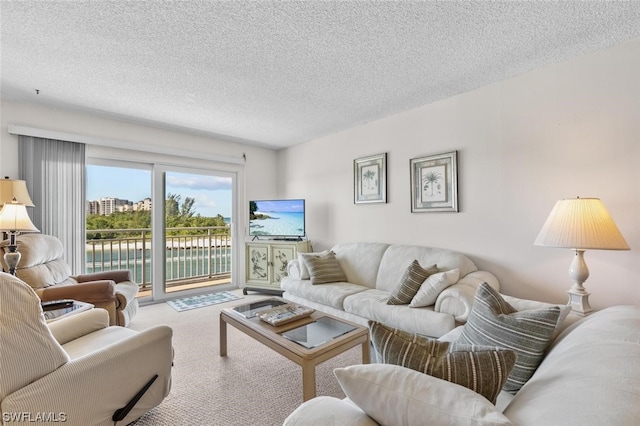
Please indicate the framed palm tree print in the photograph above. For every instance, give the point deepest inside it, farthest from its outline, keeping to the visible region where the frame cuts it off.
(370, 179)
(434, 183)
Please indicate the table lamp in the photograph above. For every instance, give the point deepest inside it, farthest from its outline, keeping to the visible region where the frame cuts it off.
(13, 188)
(580, 224)
(14, 220)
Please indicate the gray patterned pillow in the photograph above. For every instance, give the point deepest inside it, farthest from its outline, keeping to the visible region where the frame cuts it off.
(479, 368)
(494, 322)
(324, 269)
(410, 283)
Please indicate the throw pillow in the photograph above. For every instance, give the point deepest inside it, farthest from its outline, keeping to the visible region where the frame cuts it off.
(410, 283)
(481, 369)
(494, 322)
(394, 395)
(433, 286)
(302, 261)
(325, 269)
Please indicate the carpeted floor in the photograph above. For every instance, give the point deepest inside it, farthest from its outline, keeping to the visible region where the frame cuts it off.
(252, 385)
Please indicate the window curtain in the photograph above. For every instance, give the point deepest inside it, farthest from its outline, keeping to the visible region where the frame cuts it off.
(55, 172)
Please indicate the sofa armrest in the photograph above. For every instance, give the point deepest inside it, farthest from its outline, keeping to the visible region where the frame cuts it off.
(91, 292)
(70, 328)
(117, 276)
(327, 410)
(457, 299)
(293, 269)
(125, 292)
(90, 388)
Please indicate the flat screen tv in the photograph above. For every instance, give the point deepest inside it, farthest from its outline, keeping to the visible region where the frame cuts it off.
(277, 218)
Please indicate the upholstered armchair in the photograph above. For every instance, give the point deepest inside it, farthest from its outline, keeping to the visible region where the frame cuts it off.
(77, 370)
(43, 268)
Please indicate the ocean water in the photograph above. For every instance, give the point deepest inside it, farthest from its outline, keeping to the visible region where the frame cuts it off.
(279, 224)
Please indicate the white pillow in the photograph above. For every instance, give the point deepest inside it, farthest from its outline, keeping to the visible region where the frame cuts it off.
(433, 286)
(304, 271)
(326, 410)
(394, 395)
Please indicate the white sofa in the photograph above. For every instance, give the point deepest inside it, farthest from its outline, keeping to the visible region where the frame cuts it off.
(373, 270)
(589, 376)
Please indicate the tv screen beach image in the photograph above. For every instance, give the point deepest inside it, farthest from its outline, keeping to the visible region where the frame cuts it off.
(277, 218)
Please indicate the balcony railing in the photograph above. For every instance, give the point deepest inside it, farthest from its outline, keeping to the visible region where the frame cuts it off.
(192, 254)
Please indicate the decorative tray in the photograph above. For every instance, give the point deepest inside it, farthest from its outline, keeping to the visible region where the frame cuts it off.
(285, 314)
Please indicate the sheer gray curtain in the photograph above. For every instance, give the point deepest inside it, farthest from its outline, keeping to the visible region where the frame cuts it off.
(55, 174)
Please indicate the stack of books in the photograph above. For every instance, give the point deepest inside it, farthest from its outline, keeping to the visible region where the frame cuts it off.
(285, 313)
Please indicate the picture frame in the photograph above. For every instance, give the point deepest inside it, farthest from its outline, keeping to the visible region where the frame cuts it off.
(434, 183)
(370, 179)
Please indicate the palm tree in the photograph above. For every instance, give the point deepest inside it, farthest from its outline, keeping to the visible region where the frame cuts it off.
(368, 176)
(430, 179)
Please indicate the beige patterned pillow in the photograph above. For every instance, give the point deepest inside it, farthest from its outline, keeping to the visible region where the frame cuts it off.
(324, 269)
(479, 368)
(302, 260)
(495, 322)
(410, 283)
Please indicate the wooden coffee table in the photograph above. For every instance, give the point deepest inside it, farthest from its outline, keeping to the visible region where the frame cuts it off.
(306, 358)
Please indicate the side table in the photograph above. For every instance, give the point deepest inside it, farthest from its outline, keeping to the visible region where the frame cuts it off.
(77, 307)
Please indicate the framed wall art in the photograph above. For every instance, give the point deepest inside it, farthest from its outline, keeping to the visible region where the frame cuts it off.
(370, 179)
(434, 183)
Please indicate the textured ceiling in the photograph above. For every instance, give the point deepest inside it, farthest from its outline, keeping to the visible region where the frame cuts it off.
(276, 73)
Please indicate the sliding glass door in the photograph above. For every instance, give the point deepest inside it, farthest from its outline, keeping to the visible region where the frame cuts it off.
(118, 224)
(180, 245)
(196, 222)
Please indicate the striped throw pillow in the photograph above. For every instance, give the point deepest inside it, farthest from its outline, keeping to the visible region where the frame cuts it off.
(410, 283)
(324, 269)
(494, 322)
(481, 369)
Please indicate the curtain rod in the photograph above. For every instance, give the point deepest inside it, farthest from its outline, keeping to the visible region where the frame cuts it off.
(91, 140)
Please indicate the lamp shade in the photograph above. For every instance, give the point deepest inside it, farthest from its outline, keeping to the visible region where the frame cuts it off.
(581, 224)
(11, 188)
(14, 217)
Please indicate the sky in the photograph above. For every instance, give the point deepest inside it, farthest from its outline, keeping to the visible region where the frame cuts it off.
(212, 193)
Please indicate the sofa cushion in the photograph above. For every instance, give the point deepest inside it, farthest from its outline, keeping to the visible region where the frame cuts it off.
(413, 277)
(433, 286)
(372, 304)
(331, 294)
(394, 395)
(397, 257)
(482, 369)
(304, 271)
(360, 261)
(493, 322)
(324, 269)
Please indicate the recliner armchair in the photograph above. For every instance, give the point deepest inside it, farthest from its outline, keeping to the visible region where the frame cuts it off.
(43, 268)
(77, 370)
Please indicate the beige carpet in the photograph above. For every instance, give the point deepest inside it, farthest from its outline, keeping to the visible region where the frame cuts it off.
(252, 385)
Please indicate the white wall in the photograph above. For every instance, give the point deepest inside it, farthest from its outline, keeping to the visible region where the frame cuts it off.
(568, 130)
(259, 169)
(256, 177)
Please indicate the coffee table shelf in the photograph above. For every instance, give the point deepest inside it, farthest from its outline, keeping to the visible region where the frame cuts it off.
(307, 358)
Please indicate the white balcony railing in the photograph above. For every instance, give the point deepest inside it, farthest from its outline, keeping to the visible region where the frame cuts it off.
(191, 254)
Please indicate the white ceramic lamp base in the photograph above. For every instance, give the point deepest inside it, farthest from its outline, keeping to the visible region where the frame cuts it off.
(578, 296)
